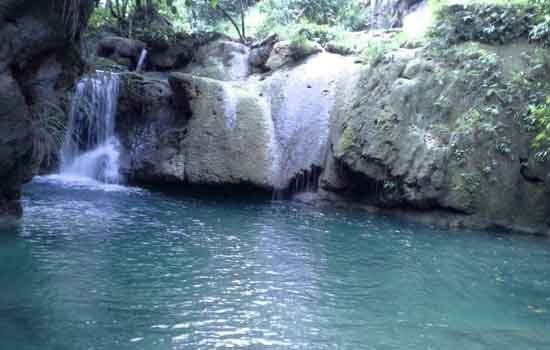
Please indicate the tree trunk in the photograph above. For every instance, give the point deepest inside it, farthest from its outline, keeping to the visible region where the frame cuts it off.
(243, 29)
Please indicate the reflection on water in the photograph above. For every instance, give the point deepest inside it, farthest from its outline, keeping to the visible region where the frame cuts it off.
(99, 266)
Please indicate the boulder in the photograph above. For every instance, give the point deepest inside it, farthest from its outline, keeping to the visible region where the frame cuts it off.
(123, 51)
(417, 134)
(387, 14)
(339, 48)
(286, 52)
(150, 125)
(260, 52)
(230, 134)
(221, 60)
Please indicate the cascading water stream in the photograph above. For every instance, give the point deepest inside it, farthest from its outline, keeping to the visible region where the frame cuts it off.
(141, 60)
(91, 148)
(302, 101)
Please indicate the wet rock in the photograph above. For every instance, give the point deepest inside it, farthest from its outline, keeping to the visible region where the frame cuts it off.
(123, 51)
(150, 125)
(400, 141)
(286, 52)
(230, 133)
(260, 52)
(339, 48)
(390, 13)
(170, 55)
(221, 60)
(39, 63)
(262, 131)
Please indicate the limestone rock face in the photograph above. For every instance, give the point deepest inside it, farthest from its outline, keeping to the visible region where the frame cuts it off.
(39, 62)
(262, 131)
(230, 134)
(416, 133)
(189, 129)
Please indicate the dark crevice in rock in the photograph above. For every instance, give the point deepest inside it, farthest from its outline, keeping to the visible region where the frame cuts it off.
(527, 176)
(222, 191)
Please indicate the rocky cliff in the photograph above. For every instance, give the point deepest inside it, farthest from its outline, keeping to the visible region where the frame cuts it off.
(262, 130)
(442, 134)
(432, 132)
(39, 61)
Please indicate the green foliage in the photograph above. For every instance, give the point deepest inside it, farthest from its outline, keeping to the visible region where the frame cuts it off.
(301, 46)
(486, 22)
(316, 11)
(319, 33)
(541, 115)
(288, 16)
(154, 32)
(377, 48)
(541, 31)
(501, 90)
(102, 18)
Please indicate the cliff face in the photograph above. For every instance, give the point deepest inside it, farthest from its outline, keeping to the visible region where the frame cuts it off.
(259, 130)
(440, 134)
(39, 61)
(431, 132)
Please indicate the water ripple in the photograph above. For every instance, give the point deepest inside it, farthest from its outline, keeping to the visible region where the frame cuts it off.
(120, 268)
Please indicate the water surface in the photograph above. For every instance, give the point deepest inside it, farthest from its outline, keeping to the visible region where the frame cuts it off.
(107, 267)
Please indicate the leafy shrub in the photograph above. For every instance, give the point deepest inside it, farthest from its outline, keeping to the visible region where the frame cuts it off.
(489, 23)
(541, 115)
(541, 31)
(377, 48)
(301, 46)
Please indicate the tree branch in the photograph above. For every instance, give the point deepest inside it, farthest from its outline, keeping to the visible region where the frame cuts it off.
(228, 16)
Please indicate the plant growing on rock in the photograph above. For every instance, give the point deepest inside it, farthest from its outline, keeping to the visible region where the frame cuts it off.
(541, 31)
(541, 115)
(48, 129)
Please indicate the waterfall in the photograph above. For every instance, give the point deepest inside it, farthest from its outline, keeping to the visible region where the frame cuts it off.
(91, 148)
(302, 101)
(417, 23)
(141, 60)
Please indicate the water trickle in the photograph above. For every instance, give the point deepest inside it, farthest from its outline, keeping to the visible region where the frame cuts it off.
(230, 107)
(91, 148)
(302, 101)
(141, 60)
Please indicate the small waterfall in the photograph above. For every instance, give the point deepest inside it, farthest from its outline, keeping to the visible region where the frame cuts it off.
(91, 149)
(417, 23)
(141, 60)
(302, 101)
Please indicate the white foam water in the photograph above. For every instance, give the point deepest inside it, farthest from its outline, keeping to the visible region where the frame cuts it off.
(91, 148)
